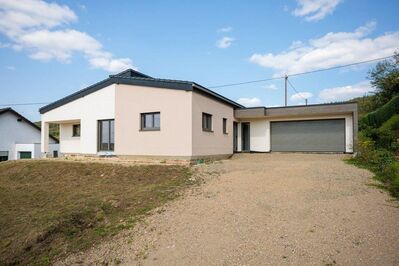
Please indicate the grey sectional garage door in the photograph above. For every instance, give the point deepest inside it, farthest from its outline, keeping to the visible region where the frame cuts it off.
(314, 135)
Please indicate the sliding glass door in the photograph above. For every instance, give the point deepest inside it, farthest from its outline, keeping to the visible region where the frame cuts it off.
(106, 135)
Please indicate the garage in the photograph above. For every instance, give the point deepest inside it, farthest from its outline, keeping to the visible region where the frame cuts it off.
(308, 136)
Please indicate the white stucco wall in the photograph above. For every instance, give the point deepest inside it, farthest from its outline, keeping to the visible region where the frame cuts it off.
(88, 110)
(17, 135)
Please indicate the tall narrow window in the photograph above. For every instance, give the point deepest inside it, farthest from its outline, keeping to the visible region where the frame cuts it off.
(206, 122)
(106, 135)
(150, 121)
(76, 130)
(224, 125)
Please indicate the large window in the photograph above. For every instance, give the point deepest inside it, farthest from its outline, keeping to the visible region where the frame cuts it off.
(76, 130)
(224, 125)
(151, 121)
(206, 122)
(106, 135)
(3, 156)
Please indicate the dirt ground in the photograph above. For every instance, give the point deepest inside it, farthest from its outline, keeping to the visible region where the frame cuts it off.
(266, 209)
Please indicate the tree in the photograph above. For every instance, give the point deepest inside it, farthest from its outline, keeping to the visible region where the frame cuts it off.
(385, 79)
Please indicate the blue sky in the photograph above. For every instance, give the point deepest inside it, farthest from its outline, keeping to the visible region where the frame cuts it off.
(51, 49)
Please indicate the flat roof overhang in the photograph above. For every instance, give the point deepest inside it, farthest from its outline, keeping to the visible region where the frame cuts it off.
(298, 110)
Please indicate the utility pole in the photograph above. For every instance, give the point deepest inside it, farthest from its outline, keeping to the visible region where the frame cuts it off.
(306, 101)
(286, 84)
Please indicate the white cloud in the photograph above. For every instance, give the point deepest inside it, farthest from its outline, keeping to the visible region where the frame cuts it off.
(301, 96)
(41, 28)
(314, 10)
(330, 50)
(224, 42)
(250, 102)
(271, 87)
(346, 92)
(11, 68)
(225, 29)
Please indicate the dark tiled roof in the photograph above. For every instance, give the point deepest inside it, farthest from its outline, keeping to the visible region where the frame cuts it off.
(9, 109)
(132, 77)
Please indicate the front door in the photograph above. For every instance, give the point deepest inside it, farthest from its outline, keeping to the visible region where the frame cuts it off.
(245, 130)
(235, 136)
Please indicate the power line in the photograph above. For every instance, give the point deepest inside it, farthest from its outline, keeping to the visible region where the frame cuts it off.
(301, 73)
(292, 86)
(19, 104)
(245, 82)
(258, 80)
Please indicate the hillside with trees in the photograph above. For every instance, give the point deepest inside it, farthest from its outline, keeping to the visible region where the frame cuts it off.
(378, 146)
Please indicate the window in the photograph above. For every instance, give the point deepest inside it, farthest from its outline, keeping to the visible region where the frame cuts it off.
(224, 125)
(3, 156)
(151, 121)
(76, 130)
(25, 155)
(206, 122)
(106, 135)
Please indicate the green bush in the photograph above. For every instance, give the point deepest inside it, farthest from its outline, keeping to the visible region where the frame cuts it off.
(392, 123)
(378, 117)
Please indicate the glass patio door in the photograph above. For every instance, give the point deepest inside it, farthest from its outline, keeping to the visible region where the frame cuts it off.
(106, 135)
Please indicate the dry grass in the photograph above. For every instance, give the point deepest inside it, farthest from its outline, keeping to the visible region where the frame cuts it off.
(51, 208)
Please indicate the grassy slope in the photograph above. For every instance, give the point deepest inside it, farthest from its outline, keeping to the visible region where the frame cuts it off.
(51, 208)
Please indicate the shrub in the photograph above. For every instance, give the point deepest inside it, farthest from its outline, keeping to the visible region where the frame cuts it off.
(378, 117)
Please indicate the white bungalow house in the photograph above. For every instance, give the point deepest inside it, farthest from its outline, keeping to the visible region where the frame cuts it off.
(133, 114)
(20, 138)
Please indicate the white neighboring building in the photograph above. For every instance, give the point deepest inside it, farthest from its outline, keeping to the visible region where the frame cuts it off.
(20, 138)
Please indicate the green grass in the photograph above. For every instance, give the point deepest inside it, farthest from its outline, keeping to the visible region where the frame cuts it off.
(49, 209)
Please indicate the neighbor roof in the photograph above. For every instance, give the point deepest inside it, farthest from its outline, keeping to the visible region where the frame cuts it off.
(132, 77)
(9, 109)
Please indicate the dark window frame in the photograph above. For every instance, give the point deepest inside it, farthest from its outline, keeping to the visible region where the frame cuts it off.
(152, 128)
(20, 155)
(224, 126)
(111, 145)
(74, 133)
(4, 158)
(207, 122)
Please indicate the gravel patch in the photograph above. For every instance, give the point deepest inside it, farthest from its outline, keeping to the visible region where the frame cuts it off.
(265, 209)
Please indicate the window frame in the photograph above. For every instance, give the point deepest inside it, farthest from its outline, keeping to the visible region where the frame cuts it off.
(142, 121)
(4, 156)
(205, 122)
(224, 126)
(111, 145)
(73, 130)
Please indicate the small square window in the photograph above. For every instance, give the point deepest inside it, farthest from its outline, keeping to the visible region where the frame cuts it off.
(151, 121)
(76, 130)
(206, 122)
(224, 125)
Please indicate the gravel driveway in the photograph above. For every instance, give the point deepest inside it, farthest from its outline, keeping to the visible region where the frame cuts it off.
(267, 209)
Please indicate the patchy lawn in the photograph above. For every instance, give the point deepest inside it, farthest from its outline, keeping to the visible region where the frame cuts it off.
(51, 208)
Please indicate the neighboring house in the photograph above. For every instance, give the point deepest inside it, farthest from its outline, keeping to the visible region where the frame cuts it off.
(20, 138)
(132, 114)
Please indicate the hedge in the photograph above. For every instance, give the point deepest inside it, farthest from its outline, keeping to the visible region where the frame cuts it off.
(378, 117)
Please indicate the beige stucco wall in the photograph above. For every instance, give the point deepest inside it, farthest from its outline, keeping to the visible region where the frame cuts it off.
(175, 136)
(211, 143)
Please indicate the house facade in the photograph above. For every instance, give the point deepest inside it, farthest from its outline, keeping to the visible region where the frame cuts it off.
(20, 138)
(134, 115)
